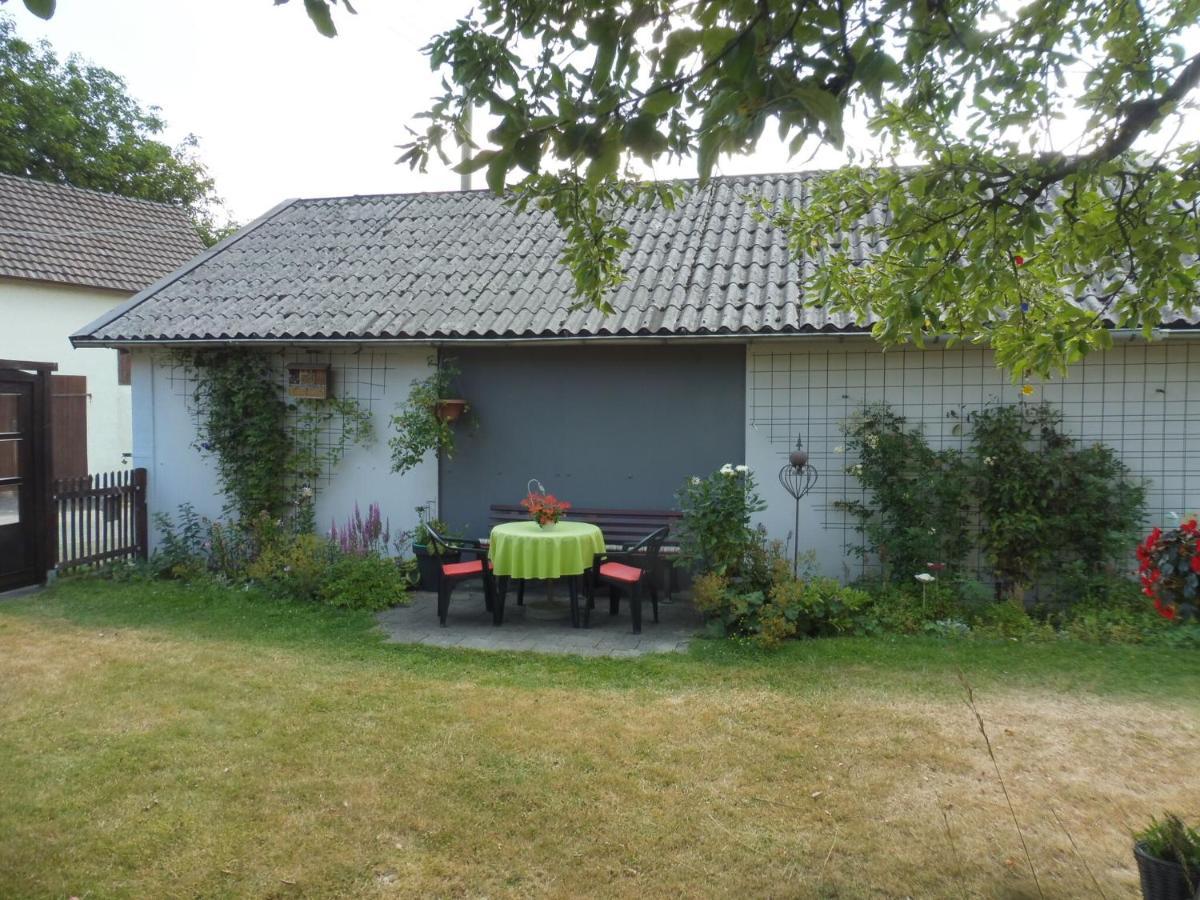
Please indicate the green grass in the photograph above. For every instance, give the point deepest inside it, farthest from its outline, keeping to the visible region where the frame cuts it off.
(171, 740)
(212, 612)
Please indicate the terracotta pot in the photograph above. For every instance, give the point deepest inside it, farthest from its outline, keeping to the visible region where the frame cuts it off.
(450, 410)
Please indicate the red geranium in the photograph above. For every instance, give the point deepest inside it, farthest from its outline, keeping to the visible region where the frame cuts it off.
(545, 509)
(1169, 566)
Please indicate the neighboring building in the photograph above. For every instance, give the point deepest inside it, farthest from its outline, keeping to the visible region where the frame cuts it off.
(710, 357)
(68, 255)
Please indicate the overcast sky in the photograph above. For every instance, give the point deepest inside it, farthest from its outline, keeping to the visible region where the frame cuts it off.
(281, 111)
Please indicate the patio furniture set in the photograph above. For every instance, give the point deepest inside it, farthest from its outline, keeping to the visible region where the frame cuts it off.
(576, 551)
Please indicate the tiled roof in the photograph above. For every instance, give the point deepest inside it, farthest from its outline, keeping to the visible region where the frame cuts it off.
(463, 265)
(68, 235)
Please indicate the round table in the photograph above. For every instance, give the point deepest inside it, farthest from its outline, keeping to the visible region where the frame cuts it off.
(525, 550)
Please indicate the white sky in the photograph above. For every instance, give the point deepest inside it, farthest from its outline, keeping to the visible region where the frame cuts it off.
(283, 112)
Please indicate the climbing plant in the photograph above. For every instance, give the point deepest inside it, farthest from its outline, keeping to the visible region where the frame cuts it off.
(269, 454)
(417, 426)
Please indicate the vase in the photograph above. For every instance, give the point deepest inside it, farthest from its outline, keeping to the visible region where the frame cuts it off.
(1164, 879)
(547, 525)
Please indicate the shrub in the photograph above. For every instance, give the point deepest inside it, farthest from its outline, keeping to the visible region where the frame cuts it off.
(918, 498)
(821, 607)
(769, 612)
(906, 609)
(1008, 620)
(715, 532)
(367, 581)
(1049, 508)
(293, 568)
(180, 552)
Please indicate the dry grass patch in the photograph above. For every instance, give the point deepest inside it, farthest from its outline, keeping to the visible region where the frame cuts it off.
(140, 764)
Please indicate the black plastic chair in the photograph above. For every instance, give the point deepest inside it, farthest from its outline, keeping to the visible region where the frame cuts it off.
(628, 569)
(453, 573)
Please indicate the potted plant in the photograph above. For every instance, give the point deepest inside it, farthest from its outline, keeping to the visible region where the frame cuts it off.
(545, 509)
(430, 557)
(1168, 860)
(1169, 565)
(425, 421)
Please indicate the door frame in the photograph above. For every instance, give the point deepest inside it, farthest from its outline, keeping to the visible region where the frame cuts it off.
(38, 375)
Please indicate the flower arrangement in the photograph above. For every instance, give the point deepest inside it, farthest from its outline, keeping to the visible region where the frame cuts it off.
(1169, 565)
(545, 509)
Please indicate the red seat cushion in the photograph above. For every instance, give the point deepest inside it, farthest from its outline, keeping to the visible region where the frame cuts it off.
(620, 572)
(473, 567)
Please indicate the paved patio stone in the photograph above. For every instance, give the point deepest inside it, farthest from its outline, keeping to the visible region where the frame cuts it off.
(469, 626)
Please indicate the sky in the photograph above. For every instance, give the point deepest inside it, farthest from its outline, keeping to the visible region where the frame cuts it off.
(281, 111)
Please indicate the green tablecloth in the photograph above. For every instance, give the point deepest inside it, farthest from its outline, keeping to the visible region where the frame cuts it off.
(525, 550)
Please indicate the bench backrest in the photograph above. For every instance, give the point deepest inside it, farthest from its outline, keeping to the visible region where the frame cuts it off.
(620, 526)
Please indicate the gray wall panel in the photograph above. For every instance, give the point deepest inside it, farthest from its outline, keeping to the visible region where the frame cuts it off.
(599, 426)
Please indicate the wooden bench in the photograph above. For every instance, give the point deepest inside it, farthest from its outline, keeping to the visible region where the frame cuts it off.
(620, 526)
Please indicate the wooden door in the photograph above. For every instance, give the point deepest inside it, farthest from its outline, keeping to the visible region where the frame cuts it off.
(20, 519)
(68, 420)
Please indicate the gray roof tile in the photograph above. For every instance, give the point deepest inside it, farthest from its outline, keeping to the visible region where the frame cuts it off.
(463, 265)
(68, 235)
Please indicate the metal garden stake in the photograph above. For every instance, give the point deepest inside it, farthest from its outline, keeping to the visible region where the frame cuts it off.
(797, 477)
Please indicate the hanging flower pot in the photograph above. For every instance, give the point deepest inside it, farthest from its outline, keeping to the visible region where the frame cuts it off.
(450, 410)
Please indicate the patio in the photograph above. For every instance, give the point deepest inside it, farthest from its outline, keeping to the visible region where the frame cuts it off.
(539, 628)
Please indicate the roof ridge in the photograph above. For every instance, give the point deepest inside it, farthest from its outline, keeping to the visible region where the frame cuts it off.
(447, 192)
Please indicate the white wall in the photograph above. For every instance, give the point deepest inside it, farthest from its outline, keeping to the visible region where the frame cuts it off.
(165, 436)
(1142, 399)
(36, 320)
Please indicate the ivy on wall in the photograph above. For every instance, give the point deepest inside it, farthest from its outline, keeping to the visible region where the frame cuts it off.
(269, 454)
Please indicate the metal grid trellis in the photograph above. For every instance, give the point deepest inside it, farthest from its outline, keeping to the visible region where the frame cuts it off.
(360, 375)
(1143, 399)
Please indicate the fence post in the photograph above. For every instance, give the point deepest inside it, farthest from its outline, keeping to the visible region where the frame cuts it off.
(140, 516)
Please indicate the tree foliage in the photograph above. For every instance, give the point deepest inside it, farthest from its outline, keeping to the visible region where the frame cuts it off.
(73, 123)
(998, 236)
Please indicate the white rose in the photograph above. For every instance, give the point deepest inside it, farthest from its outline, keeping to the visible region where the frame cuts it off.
(727, 469)
(924, 578)
(695, 479)
(742, 470)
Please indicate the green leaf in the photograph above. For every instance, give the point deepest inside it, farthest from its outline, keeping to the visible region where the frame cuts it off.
(821, 105)
(475, 163)
(528, 152)
(43, 9)
(496, 171)
(319, 12)
(658, 102)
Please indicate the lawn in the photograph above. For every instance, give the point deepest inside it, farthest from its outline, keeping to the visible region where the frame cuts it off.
(162, 740)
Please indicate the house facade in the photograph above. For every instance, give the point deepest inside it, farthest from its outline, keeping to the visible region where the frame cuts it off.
(711, 357)
(67, 256)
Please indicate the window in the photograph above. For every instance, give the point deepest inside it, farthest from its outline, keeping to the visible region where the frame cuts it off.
(124, 367)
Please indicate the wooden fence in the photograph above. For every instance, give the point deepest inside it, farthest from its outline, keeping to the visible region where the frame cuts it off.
(100, 518)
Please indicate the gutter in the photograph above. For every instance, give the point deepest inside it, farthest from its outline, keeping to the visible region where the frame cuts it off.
(576, 341)
(77, 340)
